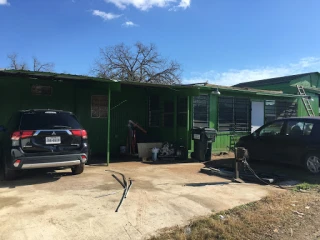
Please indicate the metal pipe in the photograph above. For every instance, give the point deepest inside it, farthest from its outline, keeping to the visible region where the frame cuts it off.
(122, 184)
(128, 188)
(123, 195)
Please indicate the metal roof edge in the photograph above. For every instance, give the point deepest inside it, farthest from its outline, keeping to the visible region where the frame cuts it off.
(57, 76)
(276, 80)
(313, 90)
(244, 89)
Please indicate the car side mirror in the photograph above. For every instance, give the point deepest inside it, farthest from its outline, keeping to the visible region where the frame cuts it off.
(2, 128)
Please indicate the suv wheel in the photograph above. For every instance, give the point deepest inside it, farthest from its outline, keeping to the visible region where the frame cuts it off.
(312, 163)
(78, 169)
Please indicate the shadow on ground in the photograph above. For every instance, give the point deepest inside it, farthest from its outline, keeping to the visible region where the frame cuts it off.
(33, 177)
(288, 171)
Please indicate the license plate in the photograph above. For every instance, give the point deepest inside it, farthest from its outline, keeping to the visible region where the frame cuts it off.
(53, 140)
(196, 136)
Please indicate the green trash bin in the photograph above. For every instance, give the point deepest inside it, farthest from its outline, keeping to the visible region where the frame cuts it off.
(203, 139)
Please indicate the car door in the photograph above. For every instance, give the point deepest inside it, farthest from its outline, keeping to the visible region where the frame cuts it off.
(266, 140)
(297, 139)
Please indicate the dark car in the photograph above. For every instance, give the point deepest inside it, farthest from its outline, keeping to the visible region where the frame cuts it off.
(292, 140)
(42, 139)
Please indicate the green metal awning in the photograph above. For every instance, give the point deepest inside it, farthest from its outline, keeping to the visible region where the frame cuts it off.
(114, 84)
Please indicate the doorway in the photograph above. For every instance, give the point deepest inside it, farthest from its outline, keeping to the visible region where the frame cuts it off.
(257, 115)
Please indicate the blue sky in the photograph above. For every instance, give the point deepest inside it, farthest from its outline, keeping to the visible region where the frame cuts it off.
(220, 41)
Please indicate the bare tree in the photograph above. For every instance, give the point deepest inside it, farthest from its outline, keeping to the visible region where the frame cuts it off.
(37, 65)
(14, 63)
(42, 67)
(140, 63)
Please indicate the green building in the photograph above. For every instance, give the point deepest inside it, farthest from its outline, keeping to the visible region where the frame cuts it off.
(168, 113)
(310, 82)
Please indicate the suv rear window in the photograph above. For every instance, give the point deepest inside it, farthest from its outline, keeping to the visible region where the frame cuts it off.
(48, 120)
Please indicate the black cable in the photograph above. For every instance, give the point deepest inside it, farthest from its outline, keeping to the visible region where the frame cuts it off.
(254, 173)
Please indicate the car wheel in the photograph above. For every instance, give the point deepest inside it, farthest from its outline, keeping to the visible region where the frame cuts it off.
(312, 163)
(78, 169)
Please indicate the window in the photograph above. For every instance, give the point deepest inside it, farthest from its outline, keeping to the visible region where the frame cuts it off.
(154, 111)
(234, 114)
(182, 109)
(41, 90)
(270, 111)
(99, 106)
(271, 129)
(201, 111)
(168, 114)
(275, 109)
(298, 128)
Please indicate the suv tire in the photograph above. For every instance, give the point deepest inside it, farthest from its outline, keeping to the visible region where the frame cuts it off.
(78, 169)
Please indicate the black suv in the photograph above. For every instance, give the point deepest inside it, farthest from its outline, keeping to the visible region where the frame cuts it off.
(42, 139)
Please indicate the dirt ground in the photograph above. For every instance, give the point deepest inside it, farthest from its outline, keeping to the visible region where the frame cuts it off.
(58, 205)
(283, 215)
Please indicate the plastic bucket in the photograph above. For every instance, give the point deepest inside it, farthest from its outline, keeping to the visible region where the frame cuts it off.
(155, 154)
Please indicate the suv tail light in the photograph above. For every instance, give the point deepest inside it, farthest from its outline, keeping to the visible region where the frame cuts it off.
(21, 134)
(80, 133)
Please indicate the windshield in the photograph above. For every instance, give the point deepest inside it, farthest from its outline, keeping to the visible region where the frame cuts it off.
(51, 120)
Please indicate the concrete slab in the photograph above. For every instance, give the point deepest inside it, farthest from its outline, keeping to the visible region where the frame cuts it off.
(62, 206)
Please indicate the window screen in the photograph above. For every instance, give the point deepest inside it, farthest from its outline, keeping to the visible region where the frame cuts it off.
(168, 114)
(99, 106)
(234, 114)
(275, 109)
(182, 109)
(201, 111)
(41, 90)
(154, 111)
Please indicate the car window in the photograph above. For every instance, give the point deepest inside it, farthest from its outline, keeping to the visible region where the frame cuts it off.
(316, 130)
(272, 129)
(50, 120)
(299, 128)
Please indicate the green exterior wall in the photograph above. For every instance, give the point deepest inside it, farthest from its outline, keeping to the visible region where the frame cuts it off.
(130, 103)
(309, 81)
(15, 94)
(225, 141)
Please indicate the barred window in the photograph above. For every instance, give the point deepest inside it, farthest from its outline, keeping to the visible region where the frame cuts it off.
(201, 111)
(154, 111)
(99, 106)
(168, 114)
(275, 109)
(234, 114)
(182, 109)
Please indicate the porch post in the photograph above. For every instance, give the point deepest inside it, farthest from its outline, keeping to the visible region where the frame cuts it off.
(175, 110)
(109, 119)
(188, 121)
